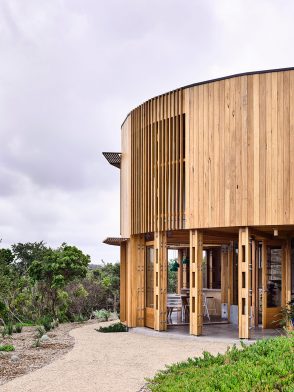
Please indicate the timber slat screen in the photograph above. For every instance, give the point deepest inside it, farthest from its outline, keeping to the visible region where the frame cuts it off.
(158, 164)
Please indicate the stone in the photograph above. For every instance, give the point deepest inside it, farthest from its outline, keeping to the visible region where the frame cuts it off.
(14, 358)
(44, 338)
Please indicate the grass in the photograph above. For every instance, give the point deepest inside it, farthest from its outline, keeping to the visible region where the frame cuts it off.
(267, 365)
(7, 348)
(117, 327)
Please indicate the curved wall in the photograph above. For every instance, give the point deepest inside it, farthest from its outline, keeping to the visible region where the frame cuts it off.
(216, 154)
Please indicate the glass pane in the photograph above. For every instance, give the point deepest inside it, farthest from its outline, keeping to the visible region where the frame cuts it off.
(274, 277)
(149, 277)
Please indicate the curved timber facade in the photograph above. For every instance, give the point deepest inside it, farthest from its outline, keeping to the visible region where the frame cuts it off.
(210, 165)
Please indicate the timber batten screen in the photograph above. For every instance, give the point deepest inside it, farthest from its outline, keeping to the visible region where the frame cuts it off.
(158, 164)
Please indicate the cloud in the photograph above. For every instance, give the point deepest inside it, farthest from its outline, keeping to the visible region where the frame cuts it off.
(71, 70)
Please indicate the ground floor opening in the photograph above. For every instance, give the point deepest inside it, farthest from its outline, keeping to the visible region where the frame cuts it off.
(232, 281)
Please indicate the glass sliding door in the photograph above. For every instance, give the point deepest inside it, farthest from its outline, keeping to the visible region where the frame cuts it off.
(272, 300)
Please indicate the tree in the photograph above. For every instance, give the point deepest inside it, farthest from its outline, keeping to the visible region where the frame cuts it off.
(25, 254)
(55, 270)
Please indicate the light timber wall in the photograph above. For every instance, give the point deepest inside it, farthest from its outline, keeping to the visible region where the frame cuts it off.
(125, 180)
(217, 154)
(241, 155)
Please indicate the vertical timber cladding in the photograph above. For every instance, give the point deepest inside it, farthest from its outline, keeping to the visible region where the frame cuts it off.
(240, 139)
(160, 281)
(244, 283)
(158, 164)
(196, 257)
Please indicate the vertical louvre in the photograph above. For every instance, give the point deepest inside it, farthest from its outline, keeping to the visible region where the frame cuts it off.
(158, 158)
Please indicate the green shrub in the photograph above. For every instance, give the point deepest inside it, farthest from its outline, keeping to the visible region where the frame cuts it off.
(17, 328)
(7, 330)
(79, 318)
(118, 327)
(40, 331)
(102, 314)
(46, 322)
(267, 365)
(7, 348)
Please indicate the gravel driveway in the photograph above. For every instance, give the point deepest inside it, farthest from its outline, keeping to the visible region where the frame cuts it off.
(110, 362)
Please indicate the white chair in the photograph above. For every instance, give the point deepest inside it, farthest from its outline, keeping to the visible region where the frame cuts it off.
(174, 303)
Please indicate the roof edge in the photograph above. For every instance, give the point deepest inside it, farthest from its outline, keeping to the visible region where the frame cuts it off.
(212, 81)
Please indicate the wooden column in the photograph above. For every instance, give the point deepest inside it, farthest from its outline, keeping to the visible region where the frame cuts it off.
(254, 320)
(122, 295)
(180, 271)
(160, 281)
(286, 278)
(196, 256)
(244, 283)
(131, 282)
(264, 283)
(230, 277)
(140, 256)
(286, 274)
(224, 275)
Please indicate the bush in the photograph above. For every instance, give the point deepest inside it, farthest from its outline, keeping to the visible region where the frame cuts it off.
(40, 331)
(7, 348)
(101, 315)
(46, 322)
(118, 327)
(17, 328)
(263, 366)
(7, 330)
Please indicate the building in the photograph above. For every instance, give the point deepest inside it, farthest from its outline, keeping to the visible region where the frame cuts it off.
(208, 170)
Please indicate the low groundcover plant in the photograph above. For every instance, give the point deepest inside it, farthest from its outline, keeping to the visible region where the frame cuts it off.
(267, 365)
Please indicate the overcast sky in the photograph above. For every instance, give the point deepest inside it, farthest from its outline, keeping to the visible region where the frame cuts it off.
(70, 71)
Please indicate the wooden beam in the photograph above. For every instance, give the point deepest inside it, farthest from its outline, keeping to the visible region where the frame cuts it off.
(160, 282)
(244, 283)
(196, 256)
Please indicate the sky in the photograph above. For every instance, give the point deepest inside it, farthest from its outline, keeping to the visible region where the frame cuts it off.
(70, 72)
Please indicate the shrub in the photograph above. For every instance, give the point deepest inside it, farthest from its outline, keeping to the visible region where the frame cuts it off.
(7, 348)
(46, 322)
(18, 328)
(40, 331)
(79, 318)
(101, 315)
(7, 330)
(263, 366)
(118, 327)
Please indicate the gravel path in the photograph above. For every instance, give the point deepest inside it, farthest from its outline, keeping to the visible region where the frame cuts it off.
(109, 362)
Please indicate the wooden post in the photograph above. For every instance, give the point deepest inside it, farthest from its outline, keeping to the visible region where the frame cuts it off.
(254, 320)
(180, 271)
(122, 296)
(196, 256)
(286, 274)
(264, 282)
(244, 283)
(160, 282)
(210, 263)
(230, 277)
(224, 275)
(132, 283)
(140, 313)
